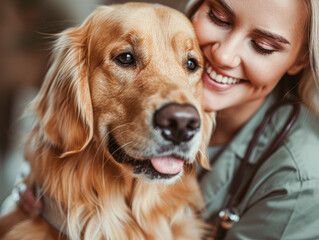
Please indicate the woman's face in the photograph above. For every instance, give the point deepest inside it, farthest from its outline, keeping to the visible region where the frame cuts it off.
(249, 45)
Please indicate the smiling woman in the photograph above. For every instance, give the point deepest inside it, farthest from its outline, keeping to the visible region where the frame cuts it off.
(258, 54)
(237, 49)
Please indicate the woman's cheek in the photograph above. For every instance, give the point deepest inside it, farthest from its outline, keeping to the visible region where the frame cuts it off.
(260, 70)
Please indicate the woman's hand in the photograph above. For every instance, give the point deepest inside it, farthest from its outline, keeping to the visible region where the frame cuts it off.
(29, 203)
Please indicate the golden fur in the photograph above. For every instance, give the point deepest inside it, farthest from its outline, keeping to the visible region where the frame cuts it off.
(86, 96)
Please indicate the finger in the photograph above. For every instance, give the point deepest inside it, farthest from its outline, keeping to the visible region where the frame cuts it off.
(29, 201)
(25, 207)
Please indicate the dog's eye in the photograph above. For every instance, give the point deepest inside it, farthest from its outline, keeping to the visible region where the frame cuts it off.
(192, 64)
(125, 59)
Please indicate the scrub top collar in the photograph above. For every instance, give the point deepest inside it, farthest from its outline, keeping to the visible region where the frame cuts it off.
(241, 141)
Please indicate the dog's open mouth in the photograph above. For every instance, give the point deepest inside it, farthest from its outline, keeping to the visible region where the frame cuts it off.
(163, 167)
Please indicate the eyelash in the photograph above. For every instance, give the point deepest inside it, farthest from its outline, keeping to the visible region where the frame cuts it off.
(216, 20)
(219, 22)
(261, 50)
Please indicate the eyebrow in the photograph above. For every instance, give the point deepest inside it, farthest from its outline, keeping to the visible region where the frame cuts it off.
(258, 31)
(272, 35)
(227, 7)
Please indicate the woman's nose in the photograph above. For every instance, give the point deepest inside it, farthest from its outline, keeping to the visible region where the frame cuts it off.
(226, 54)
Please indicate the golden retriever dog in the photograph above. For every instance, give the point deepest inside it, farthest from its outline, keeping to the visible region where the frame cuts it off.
(119, 128)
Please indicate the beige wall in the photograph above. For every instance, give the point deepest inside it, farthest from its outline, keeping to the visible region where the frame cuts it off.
(80, 9)
(179, 4)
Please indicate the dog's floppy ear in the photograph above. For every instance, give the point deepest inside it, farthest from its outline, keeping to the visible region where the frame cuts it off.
(208, 126)
(63, 105)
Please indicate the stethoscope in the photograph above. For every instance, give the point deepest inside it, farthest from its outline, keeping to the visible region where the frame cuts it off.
(229, 215)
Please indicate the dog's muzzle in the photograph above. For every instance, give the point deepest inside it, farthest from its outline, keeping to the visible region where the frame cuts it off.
(177, 124)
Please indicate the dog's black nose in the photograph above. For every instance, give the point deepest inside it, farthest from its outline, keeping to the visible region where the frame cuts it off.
(177, 122)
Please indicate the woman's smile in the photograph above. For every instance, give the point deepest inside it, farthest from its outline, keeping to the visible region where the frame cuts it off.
(218, 80)
(220, 77)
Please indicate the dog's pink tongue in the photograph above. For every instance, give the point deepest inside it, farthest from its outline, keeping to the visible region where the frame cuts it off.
(167, 165)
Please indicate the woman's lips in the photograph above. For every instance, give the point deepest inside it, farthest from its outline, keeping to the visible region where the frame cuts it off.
(219, 82)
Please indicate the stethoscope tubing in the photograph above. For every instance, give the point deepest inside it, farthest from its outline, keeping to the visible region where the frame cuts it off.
(229, 214)
(273, 147)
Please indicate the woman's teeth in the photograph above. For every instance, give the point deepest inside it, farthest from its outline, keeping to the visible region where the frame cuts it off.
(219, 78)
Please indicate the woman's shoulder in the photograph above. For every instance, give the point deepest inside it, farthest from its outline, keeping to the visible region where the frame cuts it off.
(308, 122)
(294, 166)
(302, 145)
(297, 159)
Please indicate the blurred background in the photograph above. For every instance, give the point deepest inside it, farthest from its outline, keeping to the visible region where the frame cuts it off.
(25, 27)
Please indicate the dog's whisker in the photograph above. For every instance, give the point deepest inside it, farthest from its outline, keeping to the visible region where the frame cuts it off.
(101, 143)
(120, 126)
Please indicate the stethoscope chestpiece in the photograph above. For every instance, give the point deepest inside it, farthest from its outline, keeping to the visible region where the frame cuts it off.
(227, 217)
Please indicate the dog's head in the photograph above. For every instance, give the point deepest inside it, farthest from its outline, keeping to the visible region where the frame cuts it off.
(128, 81)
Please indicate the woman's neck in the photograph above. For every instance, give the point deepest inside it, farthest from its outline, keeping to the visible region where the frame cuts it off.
(229, 121)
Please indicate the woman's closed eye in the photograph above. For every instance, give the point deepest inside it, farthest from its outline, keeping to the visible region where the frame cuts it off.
(218, 17)
(263, 42)
(263, 47)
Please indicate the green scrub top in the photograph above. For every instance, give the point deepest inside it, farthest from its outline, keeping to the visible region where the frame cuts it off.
(282, 201)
